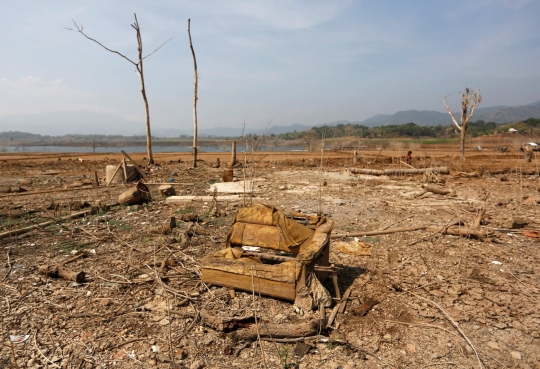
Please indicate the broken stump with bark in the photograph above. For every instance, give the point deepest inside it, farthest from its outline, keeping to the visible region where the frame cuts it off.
(58, 271)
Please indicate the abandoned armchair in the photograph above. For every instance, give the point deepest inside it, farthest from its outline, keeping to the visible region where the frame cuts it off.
(303, 261)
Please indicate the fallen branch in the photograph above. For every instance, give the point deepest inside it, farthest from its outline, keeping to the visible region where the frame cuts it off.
(453, 322)
(340, 308)
(439, 190)
(462, 232)
(374, 233)
(55, 190)
(478, 219)
(275, 330)
(10, 267)
(388, 172)
(43, 224)
(143, 176)
(297, 339)
(426, 325)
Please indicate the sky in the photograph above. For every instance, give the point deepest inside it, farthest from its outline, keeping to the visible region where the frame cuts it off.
(285, 62)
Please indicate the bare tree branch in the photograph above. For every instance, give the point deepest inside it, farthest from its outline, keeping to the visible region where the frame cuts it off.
(451, 114)
(195, 96)
(79, 29)
(475, 100)
(156, 49)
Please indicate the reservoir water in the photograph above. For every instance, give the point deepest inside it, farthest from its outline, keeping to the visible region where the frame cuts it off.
(136, 149)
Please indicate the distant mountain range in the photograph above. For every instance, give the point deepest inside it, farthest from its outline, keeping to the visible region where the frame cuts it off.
(82, 122)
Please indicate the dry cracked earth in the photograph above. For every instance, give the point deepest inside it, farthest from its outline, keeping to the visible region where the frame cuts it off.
(420, 299)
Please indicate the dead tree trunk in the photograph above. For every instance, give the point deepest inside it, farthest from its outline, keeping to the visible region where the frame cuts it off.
(469, 101)
(233, 154)
(139, 67)
(143, 92)
(195, 98)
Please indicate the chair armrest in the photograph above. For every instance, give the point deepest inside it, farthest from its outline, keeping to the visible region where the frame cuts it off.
(315, 244)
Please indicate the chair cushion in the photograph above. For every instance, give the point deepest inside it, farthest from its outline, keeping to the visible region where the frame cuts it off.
(267, 227)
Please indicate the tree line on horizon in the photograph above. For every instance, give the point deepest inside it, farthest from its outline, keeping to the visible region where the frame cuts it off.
(409, 130)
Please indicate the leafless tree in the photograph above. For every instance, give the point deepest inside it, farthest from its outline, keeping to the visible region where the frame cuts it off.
(469, 101)
(195, 97)
(139, 69)
(311, 138)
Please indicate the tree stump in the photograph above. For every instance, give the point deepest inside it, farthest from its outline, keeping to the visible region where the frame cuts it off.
(135, 195)
(228, 175)
(166, 190)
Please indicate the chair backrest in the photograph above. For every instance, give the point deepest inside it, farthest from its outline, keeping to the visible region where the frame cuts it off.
(267, 227)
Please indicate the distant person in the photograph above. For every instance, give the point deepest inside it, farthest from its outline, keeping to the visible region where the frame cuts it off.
(408, 158)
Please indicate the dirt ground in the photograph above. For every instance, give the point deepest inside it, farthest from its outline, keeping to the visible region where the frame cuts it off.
(440, 301)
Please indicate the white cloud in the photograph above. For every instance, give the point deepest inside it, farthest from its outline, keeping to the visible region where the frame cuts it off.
(287, 14)
(33, 95)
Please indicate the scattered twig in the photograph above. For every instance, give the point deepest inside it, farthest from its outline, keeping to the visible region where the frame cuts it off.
(10, 267)
(356, 348)
(453, 322)
(127, 342)
(443, 363)
(41, 353)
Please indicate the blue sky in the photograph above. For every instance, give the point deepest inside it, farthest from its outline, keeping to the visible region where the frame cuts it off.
(307, 62)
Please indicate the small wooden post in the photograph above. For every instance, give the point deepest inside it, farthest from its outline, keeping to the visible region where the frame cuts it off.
(96, 178)
(233, 153)
(355, 156)
(125, 170)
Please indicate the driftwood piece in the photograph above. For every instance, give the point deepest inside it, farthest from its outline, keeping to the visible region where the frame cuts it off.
(478, 219)
(439, 190)
(220, 323)
(50, 191)
(165, 228)
(137, 167)
(375, 172)
(225, 323)
(463, 232)
(276, 330)
(58, 271)
(43, 224)
(375, 233)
